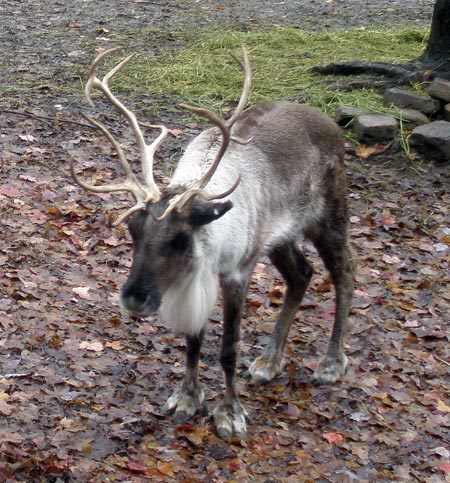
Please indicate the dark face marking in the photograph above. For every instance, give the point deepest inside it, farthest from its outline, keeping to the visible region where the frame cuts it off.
(163, 251)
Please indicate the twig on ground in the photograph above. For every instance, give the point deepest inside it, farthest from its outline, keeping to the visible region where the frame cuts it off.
(44, 119)
(15, 376)
(441, 360)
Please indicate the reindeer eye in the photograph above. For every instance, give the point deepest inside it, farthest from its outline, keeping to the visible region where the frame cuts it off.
(180, 242)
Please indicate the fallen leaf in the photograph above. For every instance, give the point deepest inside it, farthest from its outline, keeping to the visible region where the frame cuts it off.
(440, 247)
(291, 410)
(390, 259)
(441, 451)
(136, 467)
(91, 346)
(165, 468)
(116, 345)
(333, 438)
(176, 132)
(10, 192)
(48, 195)
(5, 408)
(27, 137)
(82, 292)
(442, 407)
(365, 151)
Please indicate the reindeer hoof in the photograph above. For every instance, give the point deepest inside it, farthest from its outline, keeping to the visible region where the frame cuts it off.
(184, 405)
(265, 368)
(229, 421)
(330, 369)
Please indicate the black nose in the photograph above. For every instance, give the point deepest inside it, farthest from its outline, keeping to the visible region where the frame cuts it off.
(138, 301)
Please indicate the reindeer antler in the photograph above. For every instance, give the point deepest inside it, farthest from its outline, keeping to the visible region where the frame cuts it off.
(143, 193)
(180, 201)
(149, 191)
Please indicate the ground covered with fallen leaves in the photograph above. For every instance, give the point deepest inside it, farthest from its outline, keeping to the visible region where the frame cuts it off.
(81, 385)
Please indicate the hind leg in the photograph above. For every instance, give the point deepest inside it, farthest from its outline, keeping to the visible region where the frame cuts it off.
(333, 247)
(297, 272)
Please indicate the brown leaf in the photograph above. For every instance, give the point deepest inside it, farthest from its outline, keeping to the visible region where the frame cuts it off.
(366, 151)
(116, 345)
(291, 410)
(165, 468)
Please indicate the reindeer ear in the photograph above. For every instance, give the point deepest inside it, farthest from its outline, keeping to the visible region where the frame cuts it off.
(205, 212)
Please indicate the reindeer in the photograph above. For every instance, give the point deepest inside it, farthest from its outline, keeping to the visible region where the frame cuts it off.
(246, 187)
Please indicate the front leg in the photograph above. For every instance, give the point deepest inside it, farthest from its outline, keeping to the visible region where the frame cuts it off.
(229, 416)
(188, 400)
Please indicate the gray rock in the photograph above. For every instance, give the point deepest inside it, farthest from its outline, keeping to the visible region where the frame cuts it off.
(375, 128)
(432, 140)
(412, 117)
(410, 100)
(345, 115)
(447, 112)
(440, 89)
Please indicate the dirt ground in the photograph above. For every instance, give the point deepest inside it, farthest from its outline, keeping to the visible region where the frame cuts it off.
(81, 385)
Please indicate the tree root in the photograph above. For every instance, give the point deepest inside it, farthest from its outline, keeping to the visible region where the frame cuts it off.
(369, 73)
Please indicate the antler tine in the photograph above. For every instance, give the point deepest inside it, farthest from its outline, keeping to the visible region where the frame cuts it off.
(147, 168)
(245, 67)
(92, 79)
(226, 135)
(131, 184)
(146, 151)
(224, 127)
(108, 188)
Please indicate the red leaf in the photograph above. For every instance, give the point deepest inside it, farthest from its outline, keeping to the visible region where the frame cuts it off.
(333, 438)
(11, 192)
(136, 466)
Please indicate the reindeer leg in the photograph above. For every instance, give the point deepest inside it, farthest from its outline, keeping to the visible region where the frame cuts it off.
(297, 272)
(334, 249)
(229, 416)
(188, 400)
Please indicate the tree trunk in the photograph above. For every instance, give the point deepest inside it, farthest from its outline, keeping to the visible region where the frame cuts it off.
(437, 51)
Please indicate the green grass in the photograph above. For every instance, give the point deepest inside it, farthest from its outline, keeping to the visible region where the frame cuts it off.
(203, 73)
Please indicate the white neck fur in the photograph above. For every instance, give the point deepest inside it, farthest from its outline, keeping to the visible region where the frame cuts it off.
(187, 304)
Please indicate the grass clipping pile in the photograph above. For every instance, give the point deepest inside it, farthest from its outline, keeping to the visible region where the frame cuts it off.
(281, 60)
